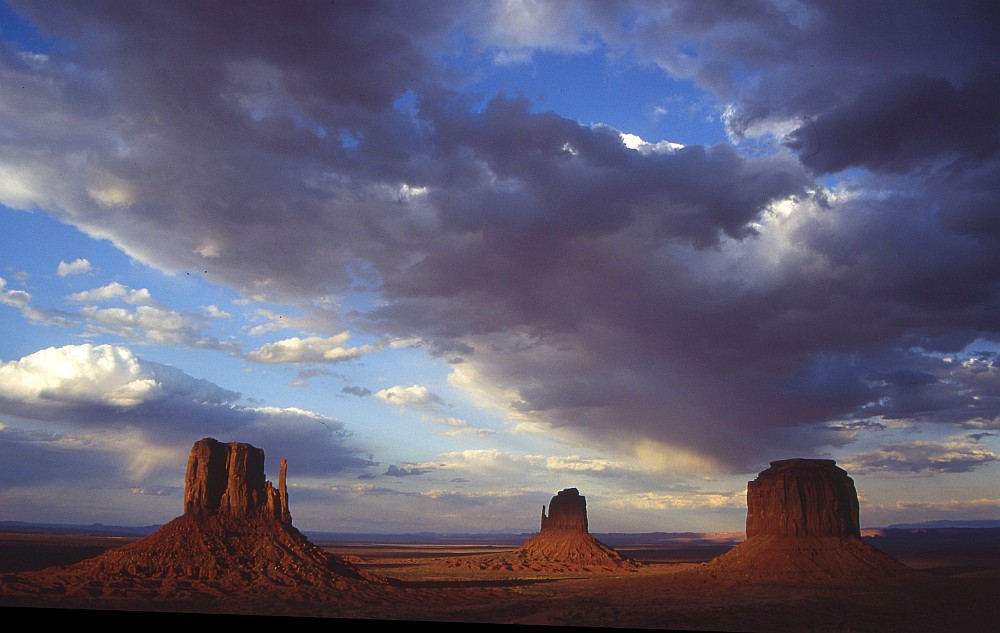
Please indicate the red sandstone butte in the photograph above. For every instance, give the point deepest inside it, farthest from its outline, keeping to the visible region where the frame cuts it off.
(229, 478)
(563, 545)
(803, 497)
(567, 511)
(235, 538)
(803, 525)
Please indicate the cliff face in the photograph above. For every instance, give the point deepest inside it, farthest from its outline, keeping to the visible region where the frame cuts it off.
(803, 497)
(803, 527)
(229, 479)
(567, 511)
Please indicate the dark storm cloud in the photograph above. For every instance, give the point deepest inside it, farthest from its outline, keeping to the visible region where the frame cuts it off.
(933, 389)
(978, 437)
(897, 125)
(629, 295)
(395, 471)
(182, 95)
(33, 457)
(361, 392)
(568, 180)
(858, 425)
(829, 56)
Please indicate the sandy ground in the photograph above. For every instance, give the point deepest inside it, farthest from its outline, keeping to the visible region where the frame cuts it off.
(955, 590)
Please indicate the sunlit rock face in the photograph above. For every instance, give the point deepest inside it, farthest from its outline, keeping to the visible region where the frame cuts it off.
(803, 527)
(563, 545)
(803, 497)
(229, 479)
(567, 511)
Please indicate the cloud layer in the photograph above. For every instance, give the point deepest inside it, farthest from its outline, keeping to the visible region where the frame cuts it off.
(102, 410)
(726, 302)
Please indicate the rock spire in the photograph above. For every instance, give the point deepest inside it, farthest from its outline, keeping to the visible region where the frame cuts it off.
(229, 479)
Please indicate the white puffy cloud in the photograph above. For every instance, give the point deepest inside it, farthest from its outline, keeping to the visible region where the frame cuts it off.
(685, 501)
(495, 460)
(579, 464)
(413, 395)
(633, 141)
(151, 323)
(16, 298)
(75, 267)
(147, 322)
(110, 292)
(76, 374)
(460, 426)
(105, 391)
(215, 313)
(480, 460)
(313, 349)
(271, 321)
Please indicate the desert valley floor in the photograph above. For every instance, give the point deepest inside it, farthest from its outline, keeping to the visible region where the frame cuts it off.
(955, 589)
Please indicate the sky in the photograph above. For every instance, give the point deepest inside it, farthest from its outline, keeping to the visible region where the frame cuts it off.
(450, 258)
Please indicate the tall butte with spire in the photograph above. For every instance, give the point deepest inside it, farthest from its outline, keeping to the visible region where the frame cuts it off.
(564, 540)
(803, 525)
(229, 479)
(235, 537)
(563, 545)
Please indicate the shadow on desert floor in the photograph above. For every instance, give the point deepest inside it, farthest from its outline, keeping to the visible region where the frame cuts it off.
(468, 584)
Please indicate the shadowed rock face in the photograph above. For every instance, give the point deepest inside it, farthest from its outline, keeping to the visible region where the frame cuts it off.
(229, 479)
(803, 497)
(567, 511)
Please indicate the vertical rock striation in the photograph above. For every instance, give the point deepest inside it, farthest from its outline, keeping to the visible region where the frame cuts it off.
(229, 479)
(567, 511)
(803, 497)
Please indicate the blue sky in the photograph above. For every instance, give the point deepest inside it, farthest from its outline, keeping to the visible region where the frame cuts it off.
(448, 259)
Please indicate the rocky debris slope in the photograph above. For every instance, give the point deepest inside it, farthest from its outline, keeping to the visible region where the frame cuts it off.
(803, 526)
(563, 545)
(235, 538)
